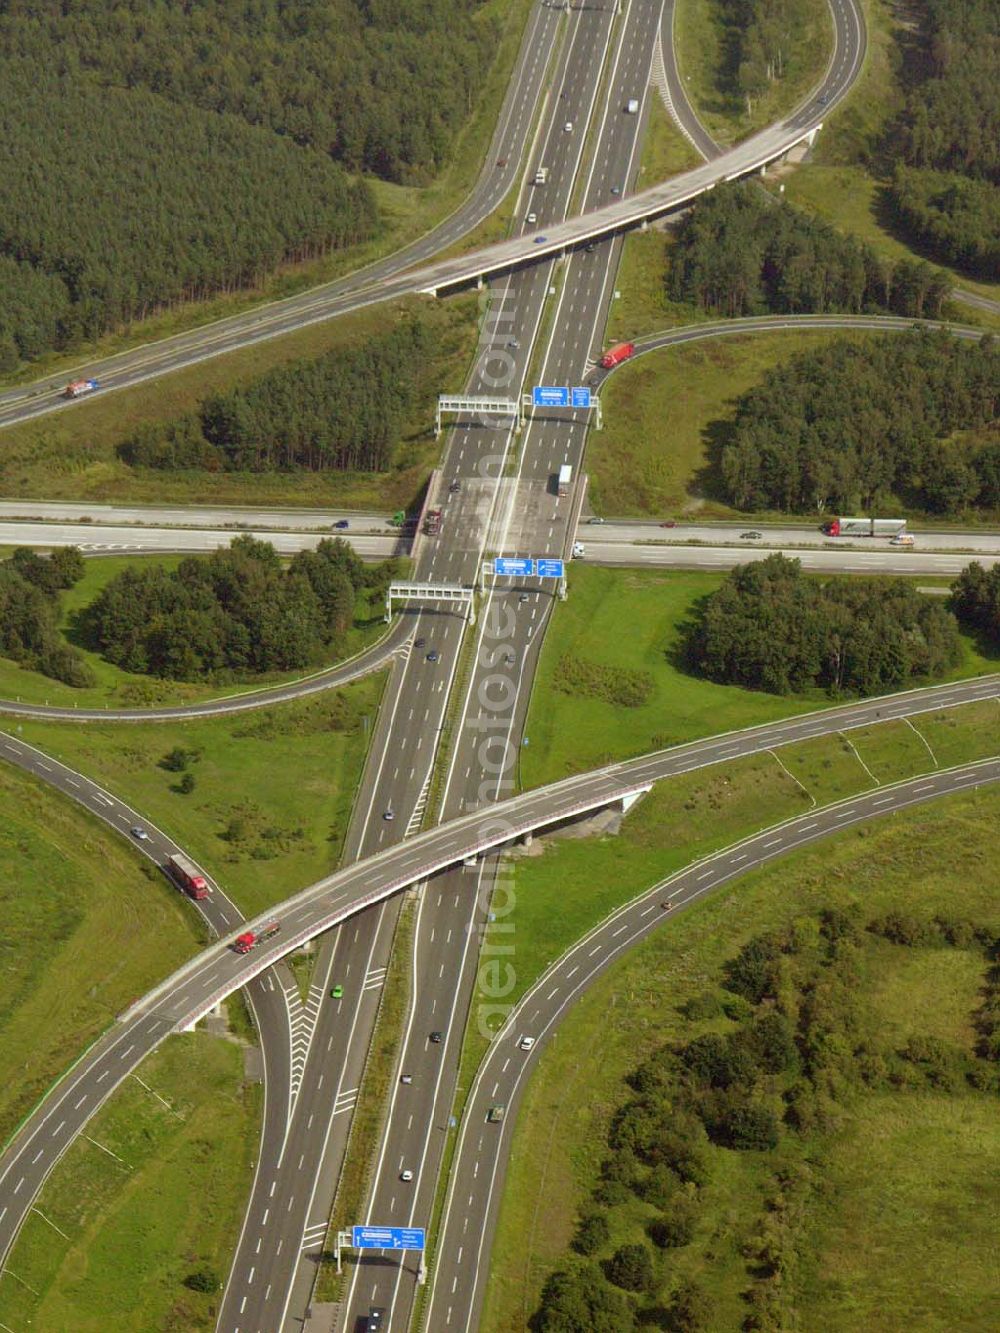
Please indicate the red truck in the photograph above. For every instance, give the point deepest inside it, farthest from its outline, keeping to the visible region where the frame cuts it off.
(250, 938)
(432, 523)
(615, 355)
(188, 876)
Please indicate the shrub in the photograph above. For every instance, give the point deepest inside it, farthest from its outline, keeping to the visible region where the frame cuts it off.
(631, 1267)
(592, 1233)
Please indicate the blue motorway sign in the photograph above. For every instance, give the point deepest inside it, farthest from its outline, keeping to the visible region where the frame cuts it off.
(581, 397)
(387, 1238)
(549, 395)
(551, 569)
(520, 568)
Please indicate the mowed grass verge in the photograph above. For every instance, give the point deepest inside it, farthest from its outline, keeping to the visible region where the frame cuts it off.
(72, 455)
(152, 1195)
(127, 689)
(566, 886)
(273, 790)
(88, 926)
(633, 621)
(906, 1182)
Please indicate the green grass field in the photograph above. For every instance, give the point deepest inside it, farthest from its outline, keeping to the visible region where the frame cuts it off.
(113, 1238)
(701, 41)
(263, 839)
(665, 419)
(71, 455)
(633, 620)
(907, 1182)
(88, 925)
(126, 689)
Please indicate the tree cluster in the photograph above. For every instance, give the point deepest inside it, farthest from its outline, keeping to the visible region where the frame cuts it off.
(768, 627)
(975, 600)
(948, 136)
(738, 252)
(29, 634)
(382, 87)
(759, 44)
(115, 202)
(773, 1057)
(236, 613)
(850, 425)
(343, 410)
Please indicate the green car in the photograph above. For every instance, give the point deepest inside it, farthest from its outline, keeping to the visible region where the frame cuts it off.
(336, 993)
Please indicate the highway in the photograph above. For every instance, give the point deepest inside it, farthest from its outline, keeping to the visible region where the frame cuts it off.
(468, 1223)
(237, 518)
(891, 560)
(199, 985)
(781, 536)
(385, 281)
(272, 1274)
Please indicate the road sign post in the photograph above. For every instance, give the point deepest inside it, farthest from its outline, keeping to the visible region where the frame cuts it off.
(513, 567)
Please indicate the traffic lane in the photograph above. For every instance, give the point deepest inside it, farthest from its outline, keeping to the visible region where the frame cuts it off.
(599, 532)
(237, 517)
(480, 1162)
(683, 112)
(893, 560)
(101, 538)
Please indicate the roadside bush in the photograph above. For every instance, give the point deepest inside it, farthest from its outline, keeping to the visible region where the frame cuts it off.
(592, 1233)
(676, 1228)
(578, 1300)
(630, 1267)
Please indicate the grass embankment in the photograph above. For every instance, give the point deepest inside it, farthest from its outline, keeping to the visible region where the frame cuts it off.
(900, 1180)
(632, 622)
(88, 925)
(152, 1196)
(706, 54)
(118, 688)
(263, 838)
(843, 180)
(570, 887)
(407, 212)
(665, 422)
(72, 455)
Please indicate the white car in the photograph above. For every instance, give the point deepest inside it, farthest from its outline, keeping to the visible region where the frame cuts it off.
(526, 1043)
(901, 539)
(579, 550)
(568, 127)
(406, 1175)
(531, 219)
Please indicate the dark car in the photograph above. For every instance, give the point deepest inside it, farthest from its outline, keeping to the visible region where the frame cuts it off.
(437, 1038)
(139, 833)
(540, 239)
(341, 523)
(419, 643)
(456, 485)
(501, 161)
(376, 1319)
(433, 655)
(670, 523)
(750, 536)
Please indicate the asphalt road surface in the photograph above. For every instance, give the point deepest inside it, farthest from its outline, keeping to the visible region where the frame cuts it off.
(598, 532)
(468, 1222)
(236, 517)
